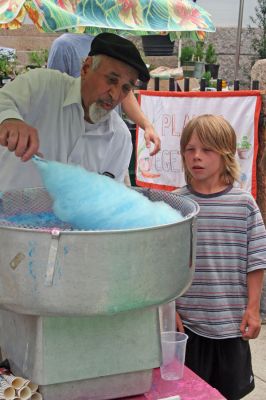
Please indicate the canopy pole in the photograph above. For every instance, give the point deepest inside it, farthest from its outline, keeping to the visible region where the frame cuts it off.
(179, 53)
(238, 38)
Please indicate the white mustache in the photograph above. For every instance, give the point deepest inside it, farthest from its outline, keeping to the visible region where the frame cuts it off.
(109, 102)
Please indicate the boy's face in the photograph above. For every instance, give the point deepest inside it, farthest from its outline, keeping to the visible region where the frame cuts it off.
(204, 164)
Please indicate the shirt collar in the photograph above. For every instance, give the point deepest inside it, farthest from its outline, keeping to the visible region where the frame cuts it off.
(74, 93)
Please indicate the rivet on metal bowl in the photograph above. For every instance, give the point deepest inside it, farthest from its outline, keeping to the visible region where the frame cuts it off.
(16, 260)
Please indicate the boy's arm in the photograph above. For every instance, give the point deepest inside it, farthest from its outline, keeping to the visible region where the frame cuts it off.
(179, 324)
(251, 321)
(132, 109)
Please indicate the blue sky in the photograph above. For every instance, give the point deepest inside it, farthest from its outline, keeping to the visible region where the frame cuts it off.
(225, 12)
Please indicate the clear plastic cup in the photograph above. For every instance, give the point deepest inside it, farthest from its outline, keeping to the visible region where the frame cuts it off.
(167, 317)
(173, 355)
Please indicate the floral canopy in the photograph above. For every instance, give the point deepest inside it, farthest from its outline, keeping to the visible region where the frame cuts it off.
(138, 17)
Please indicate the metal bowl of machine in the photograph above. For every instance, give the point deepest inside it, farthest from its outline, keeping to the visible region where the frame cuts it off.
(56, 271)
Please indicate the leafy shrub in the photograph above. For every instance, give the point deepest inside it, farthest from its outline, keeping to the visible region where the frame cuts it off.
(259, 35)
(38, 58)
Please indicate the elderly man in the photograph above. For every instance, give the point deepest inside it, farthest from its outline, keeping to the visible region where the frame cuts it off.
(67, 54)
(70, 119)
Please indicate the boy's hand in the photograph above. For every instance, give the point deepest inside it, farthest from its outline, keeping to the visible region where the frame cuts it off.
(179, 325)
(250, 325)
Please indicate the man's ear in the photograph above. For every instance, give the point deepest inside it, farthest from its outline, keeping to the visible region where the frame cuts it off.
(86, 65)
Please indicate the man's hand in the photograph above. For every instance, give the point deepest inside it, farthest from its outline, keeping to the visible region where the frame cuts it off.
(151, 136)
(19, 137)
(250, 325)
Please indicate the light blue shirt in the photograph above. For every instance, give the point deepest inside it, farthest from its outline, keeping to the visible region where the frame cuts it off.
(68, 52)
(51, 102)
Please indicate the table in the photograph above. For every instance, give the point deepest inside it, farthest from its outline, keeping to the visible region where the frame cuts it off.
(191, 387)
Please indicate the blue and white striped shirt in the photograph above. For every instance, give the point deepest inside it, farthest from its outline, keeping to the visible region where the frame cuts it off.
(231, 242)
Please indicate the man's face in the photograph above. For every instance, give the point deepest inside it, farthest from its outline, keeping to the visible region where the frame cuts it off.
(103, 88)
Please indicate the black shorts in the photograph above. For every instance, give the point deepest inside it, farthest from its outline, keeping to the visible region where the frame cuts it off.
(224, 363)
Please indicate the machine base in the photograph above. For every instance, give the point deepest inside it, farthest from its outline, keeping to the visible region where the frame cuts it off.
(80, 358)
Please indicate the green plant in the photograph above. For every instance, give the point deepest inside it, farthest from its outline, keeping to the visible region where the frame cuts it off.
(207, 76)
(199, 51)
(7, 64)
(4, 67)
(210, 55)
(244, 143)
(38, 58)
(187, 54)
(259, 35)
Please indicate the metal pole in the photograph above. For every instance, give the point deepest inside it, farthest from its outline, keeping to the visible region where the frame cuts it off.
(238, 38)
(179, 53)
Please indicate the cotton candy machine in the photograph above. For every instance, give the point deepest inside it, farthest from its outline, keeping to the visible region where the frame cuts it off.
(79, 310)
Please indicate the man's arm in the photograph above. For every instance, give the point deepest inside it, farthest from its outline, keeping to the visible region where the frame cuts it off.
(17, 100)
(251, 321)
(132, 109)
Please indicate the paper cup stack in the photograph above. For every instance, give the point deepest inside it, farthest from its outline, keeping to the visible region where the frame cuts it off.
(14, 387)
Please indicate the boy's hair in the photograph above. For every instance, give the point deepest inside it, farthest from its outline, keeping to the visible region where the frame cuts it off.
(217, 134)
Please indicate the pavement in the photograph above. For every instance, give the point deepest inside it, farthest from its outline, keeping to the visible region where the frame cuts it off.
(258, 351)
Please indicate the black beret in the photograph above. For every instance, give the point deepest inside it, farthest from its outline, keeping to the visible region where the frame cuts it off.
(122, 49)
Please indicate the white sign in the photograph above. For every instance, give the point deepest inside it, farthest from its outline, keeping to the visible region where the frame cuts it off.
(170, 111)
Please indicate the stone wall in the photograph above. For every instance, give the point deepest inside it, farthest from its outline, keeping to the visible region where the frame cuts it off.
(28, 39)
(25, 40)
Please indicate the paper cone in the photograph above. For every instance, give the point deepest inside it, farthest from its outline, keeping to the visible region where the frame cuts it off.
(33, 387)
(24, 393)
(15, 381)
(36, 396)
(7, 392)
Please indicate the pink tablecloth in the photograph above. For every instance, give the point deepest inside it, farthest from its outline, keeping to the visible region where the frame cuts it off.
(191, 387)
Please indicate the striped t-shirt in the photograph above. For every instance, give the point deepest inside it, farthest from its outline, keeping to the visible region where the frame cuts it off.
(231, 241)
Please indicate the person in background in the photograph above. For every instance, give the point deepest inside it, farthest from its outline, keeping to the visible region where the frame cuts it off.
(71, 120)
(67, 54)
(220, 310)
(68, 51)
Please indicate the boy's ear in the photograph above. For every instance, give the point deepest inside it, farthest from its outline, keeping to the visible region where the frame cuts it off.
(86, 65)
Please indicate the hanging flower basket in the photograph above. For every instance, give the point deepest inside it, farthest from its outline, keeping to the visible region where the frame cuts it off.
(157, 45)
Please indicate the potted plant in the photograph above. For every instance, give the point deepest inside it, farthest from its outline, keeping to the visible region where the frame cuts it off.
(207, 76)
(7, 66)
(38, 59)
(198, 58)
(157, 45)
(211, 61)
(186, 60)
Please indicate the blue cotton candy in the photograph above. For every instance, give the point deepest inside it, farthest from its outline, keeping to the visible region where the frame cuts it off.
(90, 201)
(34, 220)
